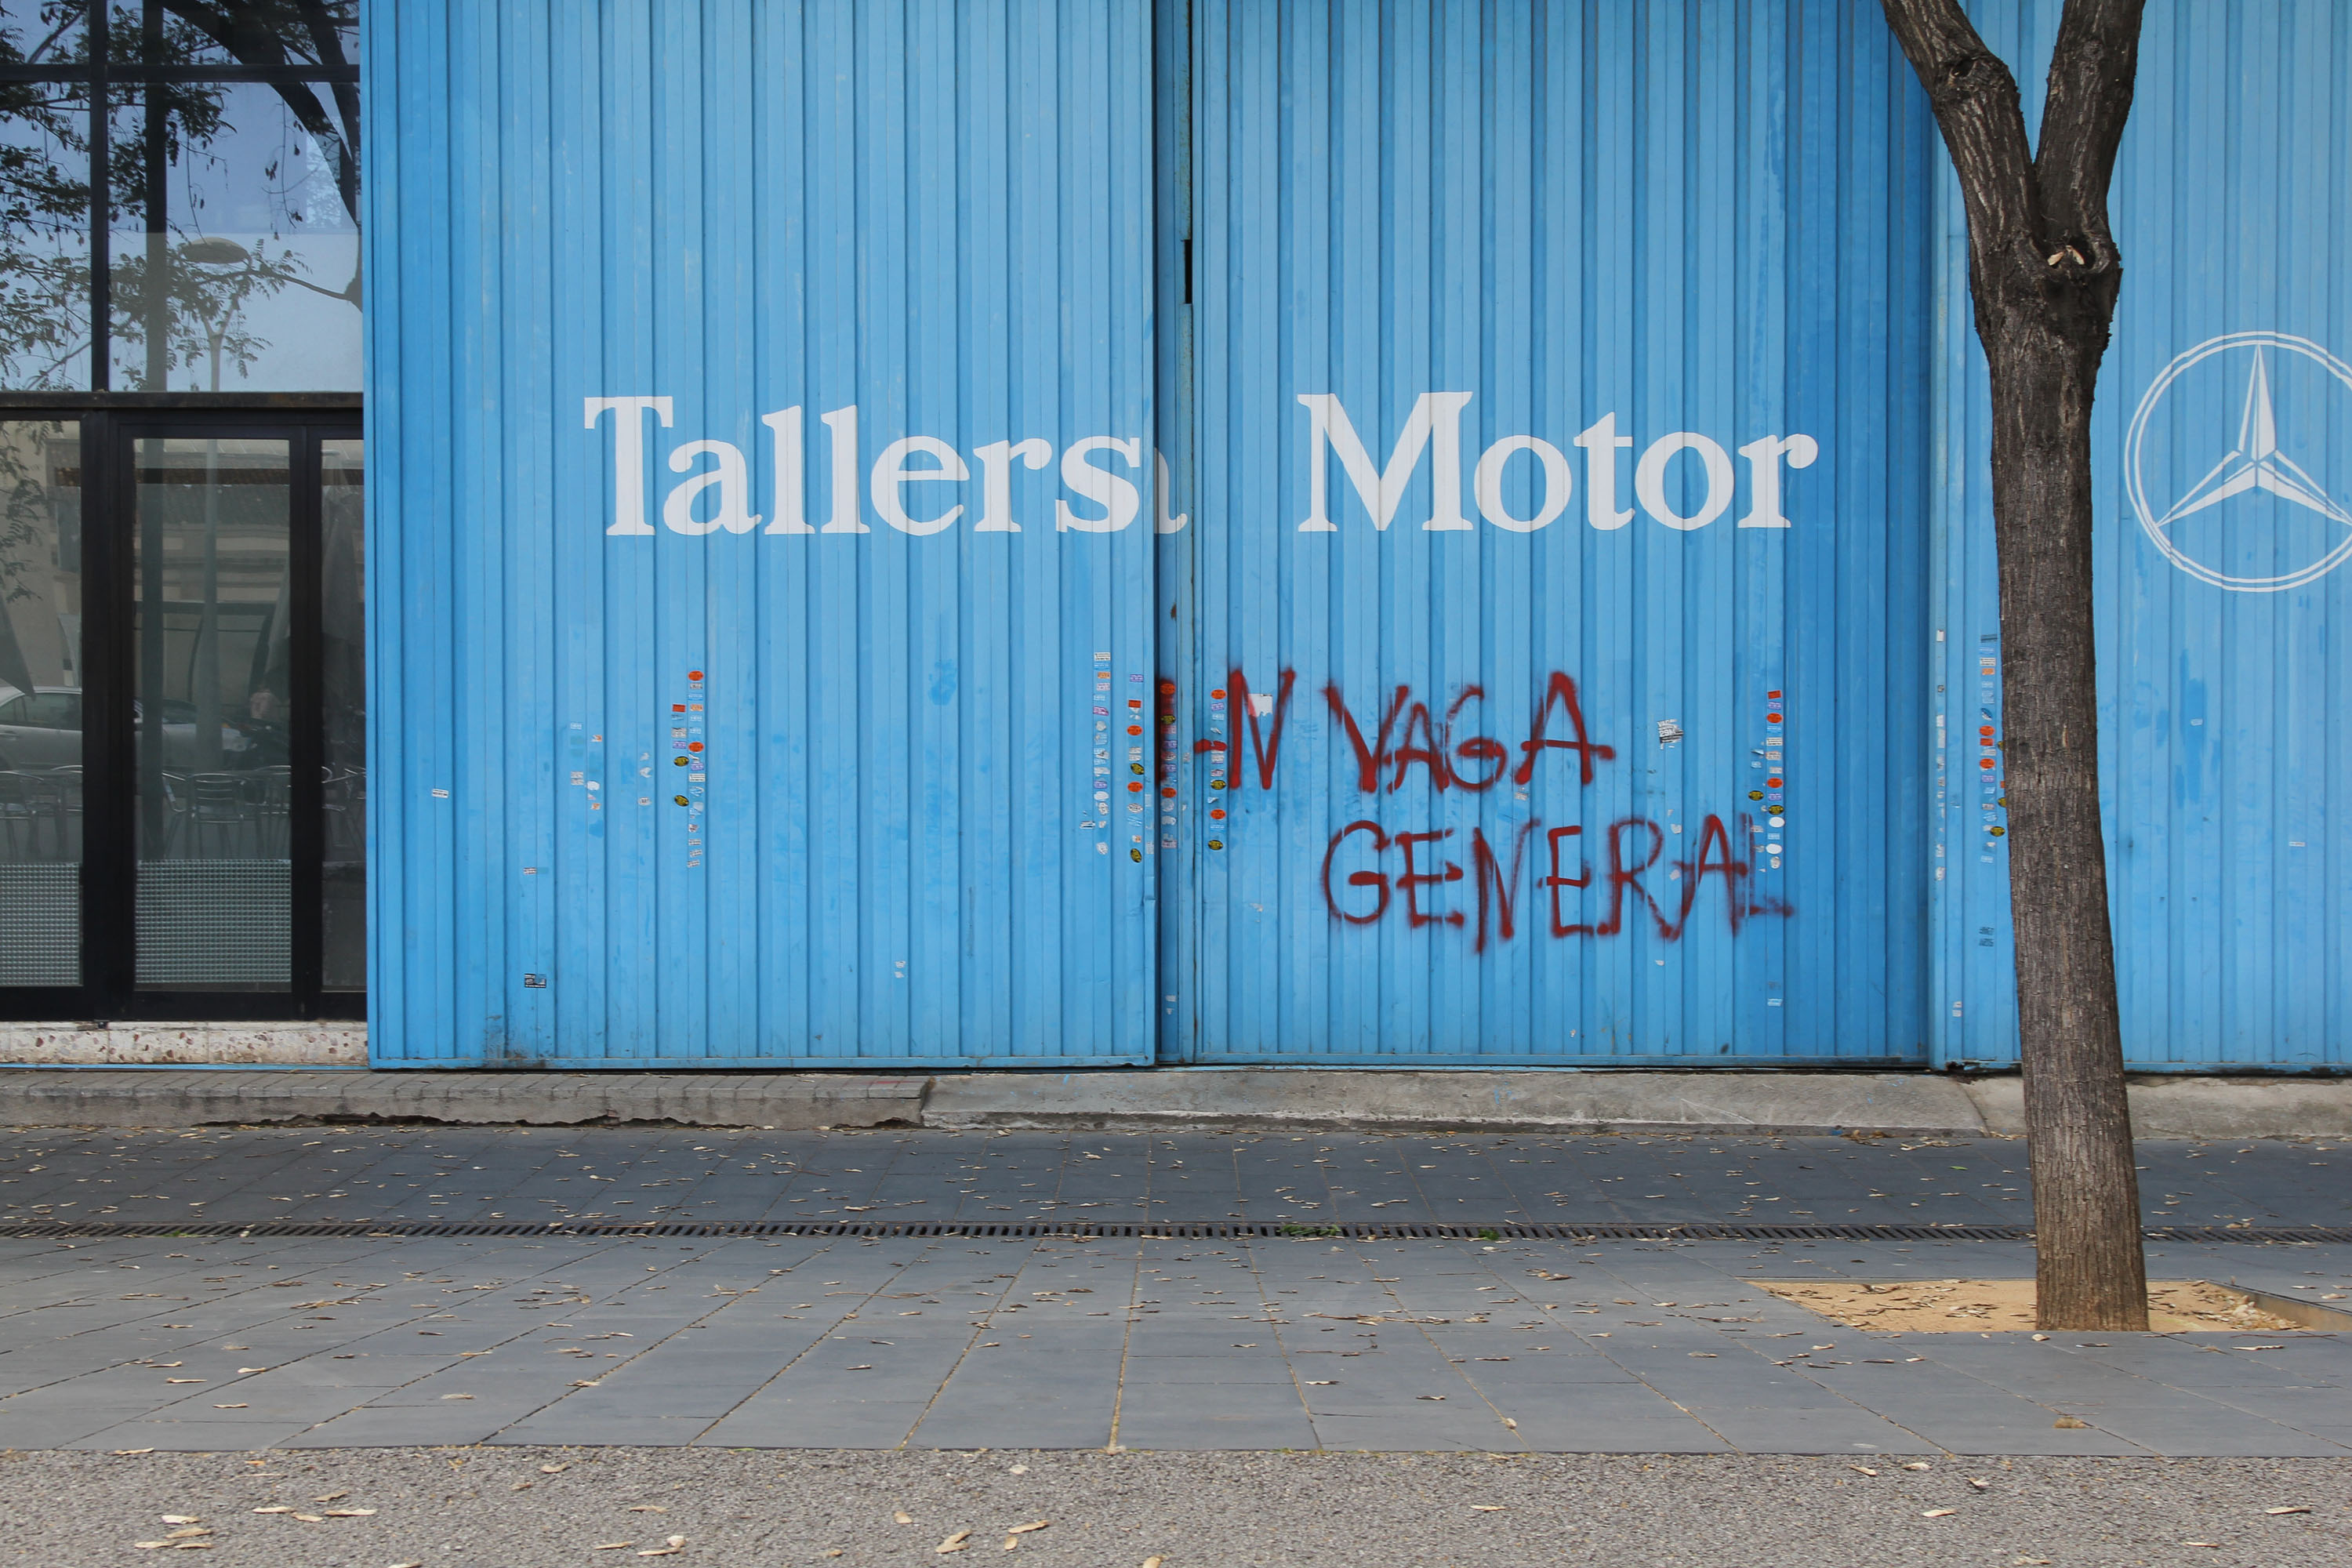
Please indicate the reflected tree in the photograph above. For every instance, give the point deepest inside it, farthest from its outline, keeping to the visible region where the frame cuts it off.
(183, 296)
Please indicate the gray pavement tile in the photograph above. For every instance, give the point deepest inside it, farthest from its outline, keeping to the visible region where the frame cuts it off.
(1571, 1432)
(407, 1427)
(807, 1422)
(1173, 1431)
(558, 1428)
(968, 1423)
(196, 1436)
(1479, 1432)
(2192, 1425)
(1818, 1431)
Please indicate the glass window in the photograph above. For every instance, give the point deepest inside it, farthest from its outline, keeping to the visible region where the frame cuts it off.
(40, 720)
(226, 258)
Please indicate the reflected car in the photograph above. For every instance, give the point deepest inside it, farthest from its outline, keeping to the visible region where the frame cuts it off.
(42, 729)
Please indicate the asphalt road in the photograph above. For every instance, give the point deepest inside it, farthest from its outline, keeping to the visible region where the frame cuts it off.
(466, 1507)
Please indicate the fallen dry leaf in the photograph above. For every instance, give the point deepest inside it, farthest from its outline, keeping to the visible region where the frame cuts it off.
(2297, 1507)
(190, 1533)
(232, 1407)
(2069, 1422)
(126, 1453)
(1917, 1464)
(955, 1542)
(248, 1371)
(330, 1497)
(351, 1513)
(274, 1508)
(1025, 1529)
(181, 1518)
(1011, 1542)
(675, 1544)
(1486, 1508)
(1980, 1486)
(552, 1469)
(647, 1508)
(311, 1518)
(611, 1545)
(183, 1380)
(1940, 1513)
(1864, 1470)
(902, 1517)
(1151, 1563)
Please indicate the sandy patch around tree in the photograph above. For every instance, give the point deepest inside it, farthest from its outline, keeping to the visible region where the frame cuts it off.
(1981, 1306)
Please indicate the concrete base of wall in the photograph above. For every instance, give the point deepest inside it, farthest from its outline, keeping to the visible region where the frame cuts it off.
(185, 1045)
(1492, 1101)
(30, 1096)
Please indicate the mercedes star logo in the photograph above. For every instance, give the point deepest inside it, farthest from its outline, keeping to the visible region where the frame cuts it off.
(2255, 462)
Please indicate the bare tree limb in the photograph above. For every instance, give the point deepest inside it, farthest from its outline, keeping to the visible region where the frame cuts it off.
(2092, 70)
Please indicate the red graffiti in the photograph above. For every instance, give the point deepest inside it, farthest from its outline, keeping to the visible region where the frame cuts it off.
(1476, 762)
(1634, 849)
(1563, 691)
(1357, 878)
(1266, 748)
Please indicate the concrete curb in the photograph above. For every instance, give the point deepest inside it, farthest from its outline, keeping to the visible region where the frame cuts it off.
(1701, 1103)
(1492, 1099)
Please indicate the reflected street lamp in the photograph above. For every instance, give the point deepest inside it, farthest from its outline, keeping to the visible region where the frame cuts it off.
(216, 253)
(205, 685)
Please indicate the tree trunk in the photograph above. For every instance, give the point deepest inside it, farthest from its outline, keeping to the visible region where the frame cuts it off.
(2044, 274)
(2089, 1269)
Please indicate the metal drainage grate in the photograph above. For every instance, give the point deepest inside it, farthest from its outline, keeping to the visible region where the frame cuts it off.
(1204, 1231)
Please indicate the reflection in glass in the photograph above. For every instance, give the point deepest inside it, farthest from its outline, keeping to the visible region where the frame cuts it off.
(244, 274)
(235, 32)
(229, 253)
(43, 235)
(40, 702)
(343, 679)
(211, 605)
(42, 32)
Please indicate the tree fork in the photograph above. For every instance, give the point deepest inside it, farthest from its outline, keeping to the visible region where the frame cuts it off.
(2045, 275)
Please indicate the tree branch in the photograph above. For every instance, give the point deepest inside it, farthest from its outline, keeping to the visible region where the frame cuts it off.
(2091, 74)
(1976, 104)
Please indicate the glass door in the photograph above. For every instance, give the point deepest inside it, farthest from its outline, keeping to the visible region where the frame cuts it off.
(183, 670)
(212, 699)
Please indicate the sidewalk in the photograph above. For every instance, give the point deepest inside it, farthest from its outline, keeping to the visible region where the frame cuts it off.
(1484, 1099)
(258, 1339)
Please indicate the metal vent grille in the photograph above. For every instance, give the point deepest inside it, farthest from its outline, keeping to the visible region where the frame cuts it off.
(214, 922)
(1205, 1231)
(40, 924)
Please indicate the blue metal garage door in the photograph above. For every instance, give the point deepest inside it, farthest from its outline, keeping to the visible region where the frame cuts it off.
(759, 404)
(1549, 670)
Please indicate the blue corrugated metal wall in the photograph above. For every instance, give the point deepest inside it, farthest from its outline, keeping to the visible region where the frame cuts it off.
(2226, 753)
(888, 743)
(1697, 218)
(921, 825)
